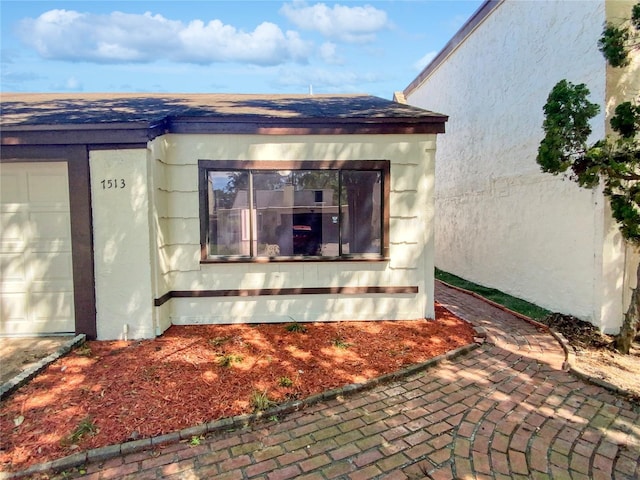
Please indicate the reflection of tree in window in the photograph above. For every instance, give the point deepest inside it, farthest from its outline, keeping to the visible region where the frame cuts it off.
(228, 198)
(324, 213)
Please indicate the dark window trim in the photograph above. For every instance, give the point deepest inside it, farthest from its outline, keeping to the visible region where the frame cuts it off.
(207, 165)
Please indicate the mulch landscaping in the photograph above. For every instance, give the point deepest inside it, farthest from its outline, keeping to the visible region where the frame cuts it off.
(110, 392)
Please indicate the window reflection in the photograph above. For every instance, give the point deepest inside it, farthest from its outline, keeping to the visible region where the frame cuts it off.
(229, 227)
(310, 213)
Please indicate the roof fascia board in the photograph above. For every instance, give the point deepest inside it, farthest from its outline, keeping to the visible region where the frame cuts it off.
(297, 127)
(478, 17)
(75, 135)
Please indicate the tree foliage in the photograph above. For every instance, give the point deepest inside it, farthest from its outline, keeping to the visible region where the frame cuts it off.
(617, 41)
(613, 161)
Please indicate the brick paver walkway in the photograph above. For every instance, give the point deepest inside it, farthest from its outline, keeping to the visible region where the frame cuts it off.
(506, 410)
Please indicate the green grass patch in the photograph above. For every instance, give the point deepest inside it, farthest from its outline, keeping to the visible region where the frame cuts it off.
(512, 303)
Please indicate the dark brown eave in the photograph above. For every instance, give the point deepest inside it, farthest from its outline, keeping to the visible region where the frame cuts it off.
(262, 126)
(125, 134)
(138, 134)
(476, 19)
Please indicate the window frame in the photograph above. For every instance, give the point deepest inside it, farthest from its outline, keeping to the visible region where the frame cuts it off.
(205, 166)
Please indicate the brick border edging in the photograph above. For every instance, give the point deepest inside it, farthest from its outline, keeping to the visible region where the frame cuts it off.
(22, 378)
(239, 421)
(569, 362)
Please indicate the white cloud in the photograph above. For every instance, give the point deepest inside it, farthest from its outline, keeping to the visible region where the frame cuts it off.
(328, 53)
(349, 24)
(326, 81)
(70, 84)
(122, 37)
(73, 83)
(424, 61)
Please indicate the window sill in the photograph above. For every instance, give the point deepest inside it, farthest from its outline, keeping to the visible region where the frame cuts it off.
(301, 258)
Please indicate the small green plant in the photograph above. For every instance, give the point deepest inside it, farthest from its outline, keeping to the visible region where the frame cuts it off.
(83, 350)
(339, 342)
(274, 418)
(260, 401)
(285, 382)
(296, 327)
(399, 351)
(228, 359)
(84, 428)
(195, 441)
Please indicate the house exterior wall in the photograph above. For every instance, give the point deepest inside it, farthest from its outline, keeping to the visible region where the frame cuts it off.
(500, 221)
(623, 84)
(176, 203)
(123, 257)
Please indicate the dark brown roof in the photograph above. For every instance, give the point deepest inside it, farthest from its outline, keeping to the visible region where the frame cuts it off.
(59, 109)
(39, 119)
(107, 119)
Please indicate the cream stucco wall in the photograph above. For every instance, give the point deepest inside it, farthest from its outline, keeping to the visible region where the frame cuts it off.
(623, 84)
(500, 221)
(123, 261)
(176, 216)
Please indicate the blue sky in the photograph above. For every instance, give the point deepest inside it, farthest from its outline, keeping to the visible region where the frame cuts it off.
(197, 46)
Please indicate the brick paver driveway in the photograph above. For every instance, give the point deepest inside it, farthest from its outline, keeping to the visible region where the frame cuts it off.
(506, 410)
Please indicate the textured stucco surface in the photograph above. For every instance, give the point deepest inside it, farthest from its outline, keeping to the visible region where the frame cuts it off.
(499, 220)
(122, 254)
(178, 242)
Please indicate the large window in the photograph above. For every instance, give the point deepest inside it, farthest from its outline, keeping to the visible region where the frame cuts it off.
(294, 210)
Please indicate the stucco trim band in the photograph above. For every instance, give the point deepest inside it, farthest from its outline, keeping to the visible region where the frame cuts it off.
(255, 292)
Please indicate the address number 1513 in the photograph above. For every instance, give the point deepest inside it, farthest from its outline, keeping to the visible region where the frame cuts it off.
(113, 183)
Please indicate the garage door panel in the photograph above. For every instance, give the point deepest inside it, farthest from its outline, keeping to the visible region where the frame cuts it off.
(51, 267)
(12, 267)
(13, 307)
(36, 284)
(12, 226)
(49, 226)
(13, 185)
(47, 186)
(35, 327)
(54, 307)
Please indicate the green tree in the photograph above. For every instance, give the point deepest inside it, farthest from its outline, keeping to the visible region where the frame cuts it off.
(613, 161)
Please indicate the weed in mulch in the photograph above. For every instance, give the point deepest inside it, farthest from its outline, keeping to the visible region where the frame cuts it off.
(285, 382)
(85, 427)
(296, 327)
(260, 401)
(229, 359)
(84, 350)
(399, 351)
(341, 343)
(219, 341)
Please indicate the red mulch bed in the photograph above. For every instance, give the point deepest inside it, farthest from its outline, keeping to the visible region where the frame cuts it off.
(138, 389)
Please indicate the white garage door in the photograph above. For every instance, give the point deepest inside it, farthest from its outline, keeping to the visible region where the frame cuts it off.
(36, 285)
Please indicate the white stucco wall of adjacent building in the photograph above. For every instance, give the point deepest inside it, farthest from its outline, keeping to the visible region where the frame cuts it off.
(178, 239)
(499, 221)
